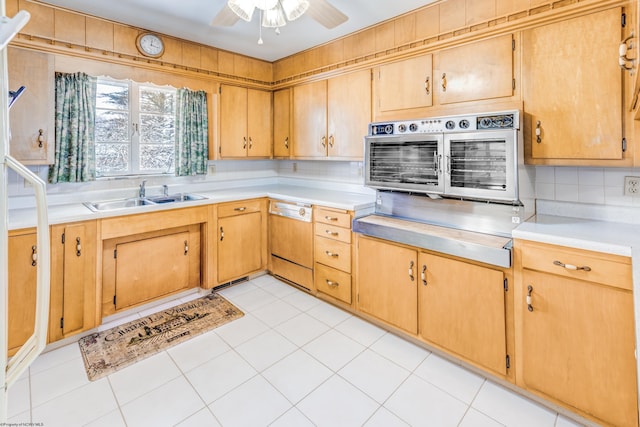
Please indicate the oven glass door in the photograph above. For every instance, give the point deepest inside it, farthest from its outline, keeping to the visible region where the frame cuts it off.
(481, 165)
(408, 162)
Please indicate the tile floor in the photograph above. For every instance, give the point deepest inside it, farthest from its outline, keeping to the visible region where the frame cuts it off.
(292, 360)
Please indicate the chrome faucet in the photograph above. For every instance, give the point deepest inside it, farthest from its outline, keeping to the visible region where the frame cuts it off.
(165, 190)
(142, 191)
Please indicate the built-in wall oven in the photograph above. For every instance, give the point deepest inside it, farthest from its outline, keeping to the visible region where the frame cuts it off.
(466, 156)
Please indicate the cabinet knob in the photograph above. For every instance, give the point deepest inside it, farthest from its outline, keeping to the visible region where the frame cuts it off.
(250, 143)
(444, 82)
(34, 255)
(244, 142)
(324, 141)
(332, 283)
(40, 137)
(78, 247)
(331, 141)
(538, 132)
(423, 275)
(186, 247)
(427, 85)
(411, 264)
(286, 143)
(529, 290)
(332, 254)
(221, 234)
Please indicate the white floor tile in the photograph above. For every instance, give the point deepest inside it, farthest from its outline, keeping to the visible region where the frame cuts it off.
(78, 407)
(254, 403)
(198, 350)
(275, 313)
(263, 280)
(375, 375)
(265, 349)
(292, 418)
(454, 379)
(19, 398)
(416, 401)
(328, 314)
(255, 298)
(240, 330)
(58, 380)
(334, 349)
(511, 409)
(220, 375)
(235, 290)
(202, 418)
(473, 418)
(164, 406)
(302, 329)
(143, 376)
(55, 357)
(363, 332)
(278, 288)
(400, 351)
(337, 403)
(112, 419)
(297, 375)
(384, 418)
(301, 300)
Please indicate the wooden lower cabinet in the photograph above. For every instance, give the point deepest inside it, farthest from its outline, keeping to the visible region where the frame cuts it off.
(73, 300)
(462, 309)
(387, 283)
(576, 339)
(22, 287)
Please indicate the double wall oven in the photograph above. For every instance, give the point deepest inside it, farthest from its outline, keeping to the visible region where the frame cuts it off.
(461, 172)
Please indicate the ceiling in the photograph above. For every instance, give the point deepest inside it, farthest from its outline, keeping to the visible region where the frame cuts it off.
(191, 20)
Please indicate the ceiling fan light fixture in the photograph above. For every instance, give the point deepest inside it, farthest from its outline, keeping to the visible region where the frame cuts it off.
(273, 18)
(265, 4)
(243, 8)
(293, 9)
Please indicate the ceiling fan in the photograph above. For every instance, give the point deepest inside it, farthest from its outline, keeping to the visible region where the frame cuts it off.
(274, 12)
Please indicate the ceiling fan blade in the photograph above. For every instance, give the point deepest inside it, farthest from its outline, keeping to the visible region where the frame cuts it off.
(225, 18)
(326, 14)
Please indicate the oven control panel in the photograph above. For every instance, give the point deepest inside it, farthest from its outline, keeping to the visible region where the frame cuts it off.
(449, 124)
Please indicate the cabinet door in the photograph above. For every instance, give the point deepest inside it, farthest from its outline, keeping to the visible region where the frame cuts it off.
(476, 71)
(462, 309)
(259, 123)
(572, 88)
(73, 279)
(310, 120)
(22, 290)
(150, 268)
(349, 109)
(32, 116)
(387, 283)
(281, 122)
(404, 85)
(578, 346)
(233, 121)
(239, 246)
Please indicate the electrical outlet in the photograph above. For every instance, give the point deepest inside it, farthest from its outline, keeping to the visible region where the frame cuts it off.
(632, 185)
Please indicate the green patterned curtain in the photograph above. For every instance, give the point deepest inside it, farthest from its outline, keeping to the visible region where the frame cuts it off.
(192, 134)
(75, 112)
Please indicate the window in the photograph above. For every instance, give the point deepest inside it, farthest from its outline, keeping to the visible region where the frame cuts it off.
(135, 128)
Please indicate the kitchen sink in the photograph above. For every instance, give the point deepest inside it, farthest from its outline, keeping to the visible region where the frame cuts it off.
(109, 205)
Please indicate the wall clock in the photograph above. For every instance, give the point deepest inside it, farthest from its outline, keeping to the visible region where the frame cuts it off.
(150, 44)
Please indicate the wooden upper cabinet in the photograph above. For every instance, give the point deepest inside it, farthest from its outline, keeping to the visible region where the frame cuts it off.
(32, 116)
(572, 89)
(245, 122)
(281, 123)
(330, 117)
(404, 85)
(475, 71)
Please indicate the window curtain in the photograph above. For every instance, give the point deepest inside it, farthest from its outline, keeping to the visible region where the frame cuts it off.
(75, 114)
(192, 134)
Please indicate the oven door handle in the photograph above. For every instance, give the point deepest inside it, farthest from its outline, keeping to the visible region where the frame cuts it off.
(448, 162)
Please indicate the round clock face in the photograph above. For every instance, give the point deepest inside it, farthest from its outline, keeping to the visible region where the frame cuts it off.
(150, 45)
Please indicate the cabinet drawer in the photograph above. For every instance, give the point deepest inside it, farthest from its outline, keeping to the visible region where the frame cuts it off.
(333, 282)
(237, 208)
(612, 270)
(333, 232)
(333, 253)
(327, 216)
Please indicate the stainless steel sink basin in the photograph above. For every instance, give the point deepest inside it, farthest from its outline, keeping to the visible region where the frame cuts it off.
(109, 205)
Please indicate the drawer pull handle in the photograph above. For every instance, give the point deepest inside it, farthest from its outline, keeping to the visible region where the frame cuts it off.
(331, 218)
(34, 255)
(538, 132)
(286, 143)
(529, 290)
(411, 271)
(331, 141)
(444, 82)
(331, 233)
(427, 85)
(186, 247)
(40, 137)
(244, 143)
(423, 276)
(221, 234)
(250, 143)
(242, 209)
(332, 283)
(571, 266)
(78, 247)
(331, 254)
